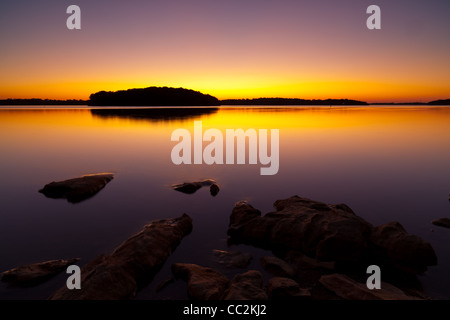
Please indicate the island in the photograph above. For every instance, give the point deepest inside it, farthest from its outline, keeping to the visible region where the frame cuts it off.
(153, 96)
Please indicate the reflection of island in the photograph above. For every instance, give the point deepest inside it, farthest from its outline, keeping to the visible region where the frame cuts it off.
(153, 96)
(154, 114)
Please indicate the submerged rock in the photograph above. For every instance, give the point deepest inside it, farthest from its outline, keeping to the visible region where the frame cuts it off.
(203, 283)
(130, 266)
(77, 189)
(234, 259)
(246, 286)
(192, 187)
(36, 273)
(442, 222)
(348, 289)
(329, 233)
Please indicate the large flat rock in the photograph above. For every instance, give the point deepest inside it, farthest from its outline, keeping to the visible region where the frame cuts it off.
(77, 189)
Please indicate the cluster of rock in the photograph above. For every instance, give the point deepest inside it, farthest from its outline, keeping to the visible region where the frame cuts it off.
(204, 283)
(321, 251)
(330, 233)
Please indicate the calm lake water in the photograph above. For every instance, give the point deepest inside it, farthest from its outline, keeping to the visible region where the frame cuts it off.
(386, 163)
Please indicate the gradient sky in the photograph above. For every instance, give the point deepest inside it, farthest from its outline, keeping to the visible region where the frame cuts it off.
(228, 48)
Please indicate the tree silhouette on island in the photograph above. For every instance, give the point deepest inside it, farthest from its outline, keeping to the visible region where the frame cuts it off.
(153, 96)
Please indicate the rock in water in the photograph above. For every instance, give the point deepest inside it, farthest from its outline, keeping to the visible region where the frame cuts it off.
(443, 222)
(234, 259)
(277, 267)
(332, 233)
(214, 189)
(203, 283)
(192, 187)
(246, 286)
(329, 233)
(348, 289)
(407, 252)
(132, 265)
(34, 274)
(187, 187)
(77, 189)
(287, 289)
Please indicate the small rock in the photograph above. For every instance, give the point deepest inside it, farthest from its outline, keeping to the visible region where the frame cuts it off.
(246, 286)
(203, 283)
(348, 289)
(280, 288)
(77, 189)
(277, 267)
(192, 187)
(443, 222)
(214, 189)
(34, 274)
(234, 259)
(187, 187)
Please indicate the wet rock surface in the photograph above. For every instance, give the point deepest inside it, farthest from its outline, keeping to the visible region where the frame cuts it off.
(203, 283)
(36, 273)
(393, 246)
(130, 266)
(233, 259)
(348, 289)
(246, 286)
(442, 222)
(277, 266)
(77, 189)
(192, 187)
(280, 288)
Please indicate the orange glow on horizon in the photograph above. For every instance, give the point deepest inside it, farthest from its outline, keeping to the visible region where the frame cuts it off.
(243, 89)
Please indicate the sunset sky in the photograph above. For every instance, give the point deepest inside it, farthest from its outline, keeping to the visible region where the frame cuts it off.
(228, 48)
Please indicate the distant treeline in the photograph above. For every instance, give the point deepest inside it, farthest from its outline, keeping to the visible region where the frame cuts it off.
(440, 102)
(40, 102)
(153, 96)
(166, 96)
(292, 101)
